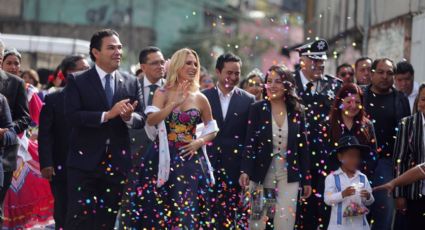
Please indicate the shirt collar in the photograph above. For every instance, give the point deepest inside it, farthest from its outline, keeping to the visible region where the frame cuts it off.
(340, 172)
(221, 94)
(304, 79)
(147, 83)
(102, 73)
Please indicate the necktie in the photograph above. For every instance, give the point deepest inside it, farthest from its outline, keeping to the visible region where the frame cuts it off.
(152, 89)
(309, 88)
(108, 89)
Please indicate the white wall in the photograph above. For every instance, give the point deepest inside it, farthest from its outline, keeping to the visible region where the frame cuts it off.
(417, 56)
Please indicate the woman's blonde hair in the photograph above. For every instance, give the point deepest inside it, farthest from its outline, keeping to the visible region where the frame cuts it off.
(178, 60)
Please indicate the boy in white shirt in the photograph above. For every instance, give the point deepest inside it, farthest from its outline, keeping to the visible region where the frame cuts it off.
(348, 190)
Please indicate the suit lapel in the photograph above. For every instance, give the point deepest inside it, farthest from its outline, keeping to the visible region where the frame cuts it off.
(216, 105)
(292, 127)
(119, 85)
(97, 84)
(233, 104)
(3, 81)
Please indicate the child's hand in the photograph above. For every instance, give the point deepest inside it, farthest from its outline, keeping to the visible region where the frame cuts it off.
(365, 194)
(349, 191)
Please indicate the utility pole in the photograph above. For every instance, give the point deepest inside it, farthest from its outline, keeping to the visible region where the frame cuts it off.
(366, 26)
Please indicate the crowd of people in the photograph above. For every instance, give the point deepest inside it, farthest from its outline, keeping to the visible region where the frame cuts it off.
(174, 147)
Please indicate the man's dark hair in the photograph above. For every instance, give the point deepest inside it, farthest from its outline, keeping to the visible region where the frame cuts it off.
(143, 55)
(228, 57)
(377, 61)
(70, 63)
(96, 40)
(405, 67)
(362, 59)
(344, 65)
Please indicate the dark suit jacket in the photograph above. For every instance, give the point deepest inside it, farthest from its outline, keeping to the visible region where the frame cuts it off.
(409, 151)
(226, 150)
(13, 88)
(85, 101)
(9, 137)
(259, 145)
(53, 134)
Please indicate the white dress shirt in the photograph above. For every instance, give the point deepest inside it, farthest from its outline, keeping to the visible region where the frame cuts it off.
(102, 75)
(305, 81)
(146, 89)
(225, 100)
(333, 198)
(423, 138)
(413, 95)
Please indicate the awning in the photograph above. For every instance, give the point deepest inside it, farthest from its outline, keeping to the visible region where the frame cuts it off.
(43, 44)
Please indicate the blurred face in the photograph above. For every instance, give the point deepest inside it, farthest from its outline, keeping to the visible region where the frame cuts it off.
(351, 105)
(346, 74)
(274, 86)
(312, 68)
(154, 68)
(12, 64)
(404, 83)
(421, 101)
(255, 87)
(363, 72)
(229, 76)
(382, 77)
(189, 70)
(206, 82)
(108, 57)
(350, 159)
(26, 77)
(81, 65)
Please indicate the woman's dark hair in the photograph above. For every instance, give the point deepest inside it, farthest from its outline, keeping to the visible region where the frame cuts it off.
(415, 104)
(13, 52)
(291, 99)
(360, 120)
(33, 75)
(96, 40)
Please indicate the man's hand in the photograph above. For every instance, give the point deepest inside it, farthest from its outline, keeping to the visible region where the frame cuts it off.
(48, 173)
(2, 132)
(127, 109)
(401, 204)
(306, 191)
(115, 110)
(244, 181)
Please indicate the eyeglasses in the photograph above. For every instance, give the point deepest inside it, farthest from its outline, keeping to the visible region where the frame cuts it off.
(157, 63)
(343, 74)
(207, 81)
(255, 84)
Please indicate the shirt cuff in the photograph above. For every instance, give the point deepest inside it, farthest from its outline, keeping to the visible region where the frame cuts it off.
(131, 121)
(102, 119)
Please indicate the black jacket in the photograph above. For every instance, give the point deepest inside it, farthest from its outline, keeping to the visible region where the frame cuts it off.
(13, 88)
(85, 101)
(53, 134)
(259, 145)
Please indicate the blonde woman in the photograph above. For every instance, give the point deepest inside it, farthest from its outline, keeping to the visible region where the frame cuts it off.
(184, 171)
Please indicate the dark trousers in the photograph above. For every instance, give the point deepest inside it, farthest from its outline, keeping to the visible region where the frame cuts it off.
(93, 198)
(3, 190)
(60, 193)
(415, 214)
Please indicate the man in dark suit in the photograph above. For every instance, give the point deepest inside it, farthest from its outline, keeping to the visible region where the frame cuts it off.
(13, 88)
(136, 210)
(230, 108)
(99, 155)
(53, 137)
(317, 91)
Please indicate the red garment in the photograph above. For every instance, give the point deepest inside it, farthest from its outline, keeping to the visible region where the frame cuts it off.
(29, 201)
